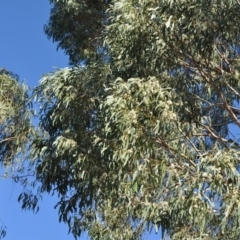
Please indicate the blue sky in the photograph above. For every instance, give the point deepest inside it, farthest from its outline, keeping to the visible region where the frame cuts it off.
(25, 50)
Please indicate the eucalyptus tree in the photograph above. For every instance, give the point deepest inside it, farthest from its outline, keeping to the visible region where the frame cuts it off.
(15, 128)
(77, 26)
(143, 140)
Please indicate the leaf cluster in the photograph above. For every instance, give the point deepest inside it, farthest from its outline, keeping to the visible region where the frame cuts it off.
(76, 26)
(15, 126)
(143, 140)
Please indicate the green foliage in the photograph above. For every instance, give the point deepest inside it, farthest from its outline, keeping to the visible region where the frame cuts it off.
(76, 26)
(65, 153)
(15, 129)
(143, 140)
(14, 119)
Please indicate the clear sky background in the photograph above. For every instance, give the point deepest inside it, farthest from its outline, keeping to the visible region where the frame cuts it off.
(25, 50)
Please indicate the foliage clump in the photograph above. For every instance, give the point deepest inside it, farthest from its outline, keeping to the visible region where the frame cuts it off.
(141, 138)
(15, 125)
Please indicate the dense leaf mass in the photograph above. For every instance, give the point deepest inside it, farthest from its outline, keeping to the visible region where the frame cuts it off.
(143, 140)
(76, 26)
(14, 118)
(15, 129)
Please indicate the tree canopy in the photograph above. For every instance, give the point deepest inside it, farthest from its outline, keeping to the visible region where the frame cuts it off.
(15, 128)
(140, 137)
(15, 125)
(77, 26)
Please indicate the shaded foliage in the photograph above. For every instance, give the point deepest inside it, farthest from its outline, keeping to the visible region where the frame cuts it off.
(2, 232)
(15, 118)
(77, 26)
(143, 140)
(15, 129)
